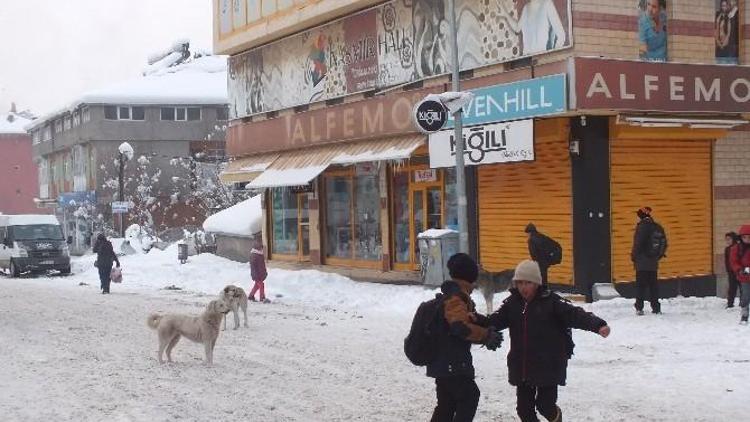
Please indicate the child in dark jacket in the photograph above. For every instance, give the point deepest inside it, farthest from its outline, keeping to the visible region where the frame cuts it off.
(452, 367)
(258, 272)
(731, 238)
(739, 258)
(539, 348)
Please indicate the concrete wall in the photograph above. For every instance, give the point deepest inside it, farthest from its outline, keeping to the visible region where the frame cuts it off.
(235, 248)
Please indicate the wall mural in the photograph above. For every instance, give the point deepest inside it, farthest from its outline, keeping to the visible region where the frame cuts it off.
(396, 43)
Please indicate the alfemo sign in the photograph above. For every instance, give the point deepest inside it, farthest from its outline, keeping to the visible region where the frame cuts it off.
(492, 143)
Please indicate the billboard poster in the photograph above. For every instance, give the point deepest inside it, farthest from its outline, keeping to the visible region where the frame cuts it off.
(652, 30)
(398, 42)
(727, 31)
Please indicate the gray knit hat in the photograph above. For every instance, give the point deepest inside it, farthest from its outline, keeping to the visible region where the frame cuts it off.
(528, 270)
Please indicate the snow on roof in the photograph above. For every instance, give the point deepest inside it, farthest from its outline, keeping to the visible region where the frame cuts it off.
(28, 219)
(202, 80)
(13, 123)
(243, 219)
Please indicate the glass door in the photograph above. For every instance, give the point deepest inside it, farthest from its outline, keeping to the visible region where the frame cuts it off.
(304, 227)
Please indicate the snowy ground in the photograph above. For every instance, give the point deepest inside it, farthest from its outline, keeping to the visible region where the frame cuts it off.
(328, 349)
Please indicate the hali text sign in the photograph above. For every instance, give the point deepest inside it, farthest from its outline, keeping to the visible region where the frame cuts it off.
(494, 143)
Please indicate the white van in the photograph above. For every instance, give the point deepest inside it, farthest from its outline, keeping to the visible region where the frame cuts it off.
(32, 242)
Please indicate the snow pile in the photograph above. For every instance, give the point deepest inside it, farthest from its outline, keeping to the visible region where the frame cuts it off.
(243, 219)
(13, 123)
(434, 233)
(127, 150)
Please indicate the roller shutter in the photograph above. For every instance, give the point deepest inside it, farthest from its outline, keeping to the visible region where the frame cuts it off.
(512, 195)
(674, 178)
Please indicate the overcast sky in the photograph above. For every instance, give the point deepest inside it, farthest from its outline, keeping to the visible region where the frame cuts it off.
(54, 50)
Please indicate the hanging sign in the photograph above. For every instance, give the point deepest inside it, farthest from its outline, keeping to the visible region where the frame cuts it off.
(494, 143)
(430, 115)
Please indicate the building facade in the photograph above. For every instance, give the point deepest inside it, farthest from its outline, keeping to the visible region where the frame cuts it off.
(173, 119)
(584, 111)
(18, 174)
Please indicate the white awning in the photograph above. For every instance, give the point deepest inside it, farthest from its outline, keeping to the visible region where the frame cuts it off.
(299, 167)
(245, 169)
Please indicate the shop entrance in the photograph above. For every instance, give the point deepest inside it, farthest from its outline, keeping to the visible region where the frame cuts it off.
(420, 196)
(290, 225)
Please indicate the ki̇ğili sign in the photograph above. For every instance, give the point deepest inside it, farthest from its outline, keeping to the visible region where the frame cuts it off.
(493, 143)
(399, 42)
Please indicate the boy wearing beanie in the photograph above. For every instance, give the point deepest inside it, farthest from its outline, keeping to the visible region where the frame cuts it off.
(539, 346)
(452, 367)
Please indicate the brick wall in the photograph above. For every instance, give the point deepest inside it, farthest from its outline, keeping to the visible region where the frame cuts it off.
(18, 176)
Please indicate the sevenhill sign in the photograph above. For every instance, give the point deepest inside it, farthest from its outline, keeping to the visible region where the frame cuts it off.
(664, 87)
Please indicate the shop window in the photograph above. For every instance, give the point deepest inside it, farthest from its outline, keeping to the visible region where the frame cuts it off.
(367, 212)
(451, 200)
(401, 216)
(339, 216)
(285, 224)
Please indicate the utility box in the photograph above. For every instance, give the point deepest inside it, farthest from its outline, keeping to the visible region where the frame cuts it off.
(435, 248)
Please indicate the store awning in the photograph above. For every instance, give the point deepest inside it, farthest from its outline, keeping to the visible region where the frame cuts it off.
(246, 169)
(299, 167)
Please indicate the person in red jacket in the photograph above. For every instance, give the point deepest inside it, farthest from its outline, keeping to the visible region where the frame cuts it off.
(739, 257)
(258, 272)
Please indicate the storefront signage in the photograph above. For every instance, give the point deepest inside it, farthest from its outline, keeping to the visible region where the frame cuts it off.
(430, 115)
(394, 43)
(425, 176)
(76, 199)
(666, 87)
(120, 207)
(494, 143)
(517, 100)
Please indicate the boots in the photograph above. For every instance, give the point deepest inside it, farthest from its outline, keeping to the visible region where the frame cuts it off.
(558, 417)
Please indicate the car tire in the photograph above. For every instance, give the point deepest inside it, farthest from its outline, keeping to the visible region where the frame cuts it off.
(65, 271)
(13, 269)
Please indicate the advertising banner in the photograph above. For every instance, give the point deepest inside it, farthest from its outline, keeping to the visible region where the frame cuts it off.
(493, 143)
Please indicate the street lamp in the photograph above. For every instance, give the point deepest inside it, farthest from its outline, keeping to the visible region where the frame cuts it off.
(126, 153)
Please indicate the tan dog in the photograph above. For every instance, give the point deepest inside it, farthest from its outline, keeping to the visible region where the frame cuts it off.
(236, 298)
(200, 329)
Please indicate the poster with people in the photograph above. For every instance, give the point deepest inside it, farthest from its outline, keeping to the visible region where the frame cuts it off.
(652, 30)
(726, 32)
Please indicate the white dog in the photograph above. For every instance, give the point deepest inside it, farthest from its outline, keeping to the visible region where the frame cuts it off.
(200, 329)
(236, 299)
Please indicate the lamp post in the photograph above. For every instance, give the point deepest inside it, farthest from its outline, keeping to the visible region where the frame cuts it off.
(463, 229)
(126, 153)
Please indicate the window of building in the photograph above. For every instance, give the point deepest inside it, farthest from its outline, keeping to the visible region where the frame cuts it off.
(47, 133)
(36, 136)
(76, 118)
(85, 115)
(58, 126)
(138, 113)
(194, 113)
(167, 113)
(68, 122)
(110, 112)
(124, 113)
(353, 213)
(180, 114)
(285, 222)
(222, 113)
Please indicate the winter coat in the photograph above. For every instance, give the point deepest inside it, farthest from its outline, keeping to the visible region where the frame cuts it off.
(105, 254)
(638, 254)
(458, 332)
(537, 250)
(739, 257)
(258, 270)
(538, 353)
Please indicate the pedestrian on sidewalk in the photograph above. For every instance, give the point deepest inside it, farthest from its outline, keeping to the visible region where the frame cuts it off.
(740, 261)
(543, 249)
(258, 272)
(453, 367)
(105, 256)
(731, 239)
(649, 247)
(538, 321)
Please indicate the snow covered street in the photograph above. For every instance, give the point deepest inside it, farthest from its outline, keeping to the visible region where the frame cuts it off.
(328, 349)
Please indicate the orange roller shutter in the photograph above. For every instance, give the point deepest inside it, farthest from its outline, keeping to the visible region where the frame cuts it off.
(513, 194)
(674, 178)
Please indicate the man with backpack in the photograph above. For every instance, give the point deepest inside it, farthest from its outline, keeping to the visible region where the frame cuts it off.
(446, 349)
(544, 250)
(649, 246)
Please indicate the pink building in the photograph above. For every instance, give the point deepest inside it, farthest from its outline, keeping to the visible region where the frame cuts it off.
(18, 172)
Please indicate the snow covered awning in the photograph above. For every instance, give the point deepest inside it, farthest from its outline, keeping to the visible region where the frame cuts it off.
(243, 219)
(299, 167)
(246, 169)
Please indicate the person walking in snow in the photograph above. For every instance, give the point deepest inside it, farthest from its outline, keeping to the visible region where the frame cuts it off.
(453, 368)
(731, 239)
(646, 260)
(105, 256)
(258, 272)
(739, 257)
(540, 347)
(542, 249)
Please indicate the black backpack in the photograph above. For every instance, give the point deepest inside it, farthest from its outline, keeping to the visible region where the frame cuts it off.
(657, 242)
(552, 250)
(420, 345)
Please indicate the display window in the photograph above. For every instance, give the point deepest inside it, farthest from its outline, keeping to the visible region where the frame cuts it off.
(290, 224)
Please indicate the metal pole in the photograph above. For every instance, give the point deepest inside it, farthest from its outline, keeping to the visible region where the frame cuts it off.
(122, 188)
(463, 228)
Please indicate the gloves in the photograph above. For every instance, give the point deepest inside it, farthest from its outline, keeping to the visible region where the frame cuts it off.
(493, 340)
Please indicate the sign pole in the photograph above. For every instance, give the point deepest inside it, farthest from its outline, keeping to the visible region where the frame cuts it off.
(463, 229)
